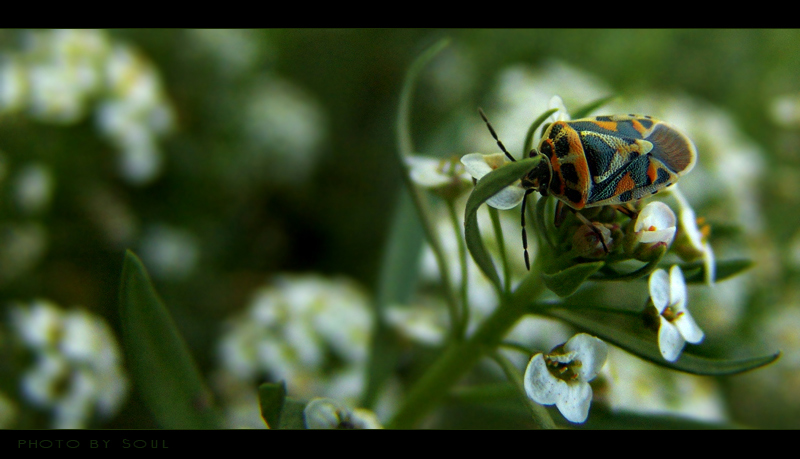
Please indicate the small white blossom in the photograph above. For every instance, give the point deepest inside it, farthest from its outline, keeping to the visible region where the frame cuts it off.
(447, 177)
(478, 165)
(324, 413)
(562, 376)
(653, 230)
(655, 224)
(676, 325)
(696, 241)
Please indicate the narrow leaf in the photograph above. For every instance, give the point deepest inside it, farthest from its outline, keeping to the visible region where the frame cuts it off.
(628, 332)
(159, 360)
(587, 109)
(565, 282)
(695, 273)
(271, 397)
(487, 187)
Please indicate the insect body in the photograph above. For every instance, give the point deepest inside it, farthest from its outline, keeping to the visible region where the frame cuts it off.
(605, 160)
(609, 160)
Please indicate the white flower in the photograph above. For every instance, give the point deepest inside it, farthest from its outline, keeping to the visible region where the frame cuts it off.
(562, 376)
(562, 114)
(324, 413)
(696, 239)
(654, 228)
(676, 325)
(445, 176)
(77, 371)
(655, 224)
(478, 165)
(311, 331)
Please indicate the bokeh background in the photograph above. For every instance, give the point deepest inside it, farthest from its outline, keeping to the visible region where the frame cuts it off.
(255, 174)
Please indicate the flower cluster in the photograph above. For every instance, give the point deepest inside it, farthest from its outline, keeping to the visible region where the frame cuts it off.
(77, 372)
(308, 330)
(61, 73)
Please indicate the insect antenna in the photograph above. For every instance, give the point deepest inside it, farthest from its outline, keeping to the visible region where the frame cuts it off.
(524, 198)
(494, 134)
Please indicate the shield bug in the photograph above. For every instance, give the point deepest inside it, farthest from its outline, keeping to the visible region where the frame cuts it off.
(604, 161)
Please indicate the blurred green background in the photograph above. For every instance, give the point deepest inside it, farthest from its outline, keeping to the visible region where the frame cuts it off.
(278, 155)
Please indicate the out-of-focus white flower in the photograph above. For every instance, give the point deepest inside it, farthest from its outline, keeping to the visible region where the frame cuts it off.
(310, 331)
(77, 372)
(324, 413)
(61, 75)
(13, 84)
(284, 129)
(638, 386)
(33, 188)
(676, 325)
(445, 176)
(562, 376)
(171, 253)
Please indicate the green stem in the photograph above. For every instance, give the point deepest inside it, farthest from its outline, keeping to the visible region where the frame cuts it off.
(459, 357)
(460, 331)
(501, 248)
(405, 148)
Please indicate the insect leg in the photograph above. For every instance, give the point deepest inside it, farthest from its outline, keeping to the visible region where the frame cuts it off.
(524, 232)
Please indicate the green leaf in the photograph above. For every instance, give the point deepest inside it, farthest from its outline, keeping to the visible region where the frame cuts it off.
(397, 281)
(590, 107)
(604, 418)
(487, 187)
(405, 145)
(292, 414)
(159, 360)
(695, 272)
(627, 331)
(565, 282)
(271, 397)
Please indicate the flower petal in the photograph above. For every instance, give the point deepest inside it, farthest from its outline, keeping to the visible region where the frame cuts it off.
(562, 114)
(478, 164)
(670, 341)
(688, 328)
(591, 352)
(677, 288)
(659, 284)
(541, 387)
(574, 401)
(507, 198)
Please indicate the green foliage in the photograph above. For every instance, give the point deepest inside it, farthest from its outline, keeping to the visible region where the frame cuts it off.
(278, 410)
(161, 365)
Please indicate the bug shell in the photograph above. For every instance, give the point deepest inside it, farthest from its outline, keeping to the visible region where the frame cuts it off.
(610, 160)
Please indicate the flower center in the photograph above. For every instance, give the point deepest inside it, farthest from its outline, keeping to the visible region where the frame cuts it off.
(671, 314)
(563, 366)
